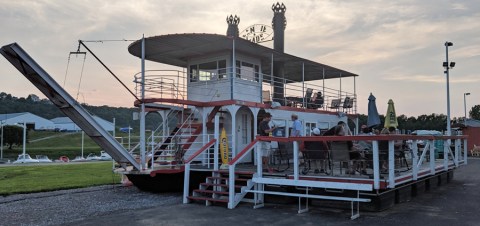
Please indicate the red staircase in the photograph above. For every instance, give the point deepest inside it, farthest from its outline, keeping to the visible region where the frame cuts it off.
(215, 189)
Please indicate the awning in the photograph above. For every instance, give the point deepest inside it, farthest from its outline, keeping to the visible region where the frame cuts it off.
(177, 49)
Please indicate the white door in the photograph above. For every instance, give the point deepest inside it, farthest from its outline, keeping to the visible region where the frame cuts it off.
(244, 133)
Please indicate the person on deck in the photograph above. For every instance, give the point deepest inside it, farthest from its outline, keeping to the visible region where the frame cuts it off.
(265, 130)
(296, 126)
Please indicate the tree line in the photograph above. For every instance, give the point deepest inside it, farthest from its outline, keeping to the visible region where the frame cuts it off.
(45, 109)
(124, 116)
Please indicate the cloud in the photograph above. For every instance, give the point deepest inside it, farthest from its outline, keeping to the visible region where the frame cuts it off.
(386, 42)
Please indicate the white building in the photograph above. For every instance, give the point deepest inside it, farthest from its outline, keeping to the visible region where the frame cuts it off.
(66, 124)
(33, 121)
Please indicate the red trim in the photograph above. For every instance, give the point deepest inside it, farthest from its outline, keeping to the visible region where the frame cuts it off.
(200, 151)
(234, 160)
(231, 102)
(422, 173)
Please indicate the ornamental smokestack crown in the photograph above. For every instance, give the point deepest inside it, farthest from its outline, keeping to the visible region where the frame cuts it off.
(233, 22)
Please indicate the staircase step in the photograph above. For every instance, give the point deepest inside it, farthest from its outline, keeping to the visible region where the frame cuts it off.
(226, 178)
(236, 172)
(211, 192)
(173, 162)
(219, 185)
(207, 199)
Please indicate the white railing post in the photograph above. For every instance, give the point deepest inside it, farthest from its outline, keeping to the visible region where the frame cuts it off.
(457, 151)
(231, 186)
(186, 183)
(432, 156)
(446, 147)
(258, 149)
(206, 155)
(415, 160)
(217, 142)
(376, 166)
(391, 164)
(153, 149)
(465, 151)
(295, 160)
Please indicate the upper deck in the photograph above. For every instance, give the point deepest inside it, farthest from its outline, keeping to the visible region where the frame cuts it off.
(210, 75)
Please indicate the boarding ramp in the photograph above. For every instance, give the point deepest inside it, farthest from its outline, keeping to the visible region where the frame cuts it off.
(69, 106)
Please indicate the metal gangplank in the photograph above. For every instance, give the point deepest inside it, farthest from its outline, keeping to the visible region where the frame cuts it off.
(69, 106)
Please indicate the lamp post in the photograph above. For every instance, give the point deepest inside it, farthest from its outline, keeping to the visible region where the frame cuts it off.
(24, 126)
(448, 65)
(1, 142)
(465, 107)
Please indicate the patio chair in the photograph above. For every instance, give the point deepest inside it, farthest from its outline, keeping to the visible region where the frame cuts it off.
(339, 152)
(335, 103)
(266, 97)
(316, 151)
(308, 97)
(282, 154)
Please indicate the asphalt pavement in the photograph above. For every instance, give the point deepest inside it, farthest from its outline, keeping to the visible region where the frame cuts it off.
(455, 203)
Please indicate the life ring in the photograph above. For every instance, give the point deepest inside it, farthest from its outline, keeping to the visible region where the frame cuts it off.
(64, 159)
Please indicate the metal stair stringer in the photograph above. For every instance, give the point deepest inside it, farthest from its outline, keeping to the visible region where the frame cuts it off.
(243, 192)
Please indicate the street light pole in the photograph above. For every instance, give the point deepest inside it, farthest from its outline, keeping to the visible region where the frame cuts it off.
(447, 67)
(24, 138)
(1, 143)
(465, 107)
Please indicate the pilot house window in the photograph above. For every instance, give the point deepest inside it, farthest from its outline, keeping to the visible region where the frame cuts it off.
(208, 71)
(247, 71)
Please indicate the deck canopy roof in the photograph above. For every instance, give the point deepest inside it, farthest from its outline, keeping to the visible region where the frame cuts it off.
(177, 49)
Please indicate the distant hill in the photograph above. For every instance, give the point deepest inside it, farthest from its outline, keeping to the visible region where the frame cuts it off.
(44, 108)
(123, 116)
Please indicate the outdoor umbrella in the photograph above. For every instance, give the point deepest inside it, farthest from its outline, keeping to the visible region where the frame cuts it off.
(373, 117)
(391, 117)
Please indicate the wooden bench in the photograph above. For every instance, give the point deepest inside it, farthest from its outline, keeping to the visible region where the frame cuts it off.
(314, 184)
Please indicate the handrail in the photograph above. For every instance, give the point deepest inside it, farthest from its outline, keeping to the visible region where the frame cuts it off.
(202, 149)
(359, 138)
(173, 84)
(243, 152)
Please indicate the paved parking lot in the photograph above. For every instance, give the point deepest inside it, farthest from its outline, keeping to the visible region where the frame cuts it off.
(456, 203)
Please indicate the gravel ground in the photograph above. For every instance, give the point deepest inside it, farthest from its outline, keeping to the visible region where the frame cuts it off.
(455, 203)
(67, 206)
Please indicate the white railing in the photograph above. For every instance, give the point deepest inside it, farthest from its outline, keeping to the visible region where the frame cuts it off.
(170, 84)
(420, 168)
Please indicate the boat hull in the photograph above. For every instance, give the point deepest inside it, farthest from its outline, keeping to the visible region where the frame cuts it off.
(166, 182)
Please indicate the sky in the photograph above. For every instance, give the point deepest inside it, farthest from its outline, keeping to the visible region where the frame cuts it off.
(396, 47)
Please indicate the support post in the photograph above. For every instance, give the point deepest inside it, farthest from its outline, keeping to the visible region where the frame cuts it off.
(216, 133)
(415, 160)
(445, 155)
(231, 186)
(432, 157)
(391, 163)
(295, 160)
(376, 166)
(142, 111)
(186, 183)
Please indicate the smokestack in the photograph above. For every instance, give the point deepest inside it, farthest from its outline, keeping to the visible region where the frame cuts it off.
(279, 23)
(233, 22)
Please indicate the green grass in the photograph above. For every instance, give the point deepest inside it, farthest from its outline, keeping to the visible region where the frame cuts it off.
(59, 144)
(27, 179)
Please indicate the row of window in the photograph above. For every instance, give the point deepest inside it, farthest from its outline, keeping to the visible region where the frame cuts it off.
(218, 70)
